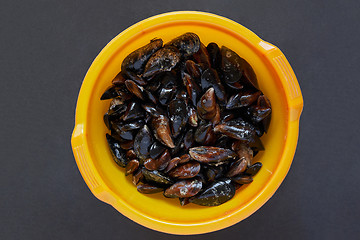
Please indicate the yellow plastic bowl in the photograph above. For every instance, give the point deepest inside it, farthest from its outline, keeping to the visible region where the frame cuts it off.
(107, 181)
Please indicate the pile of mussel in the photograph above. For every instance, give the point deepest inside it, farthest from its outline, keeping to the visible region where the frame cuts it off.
(186, 119)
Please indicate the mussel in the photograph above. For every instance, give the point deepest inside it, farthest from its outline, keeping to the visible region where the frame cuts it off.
(177, 112)
(161, 129)
(131, 167)
(156, 149)
(204, 134)
(237, 71)
(133, 111)
(261, 110)
(163, 60)
(135, 61)
(210, 78)
(192, 88)
(237, 129)
(119, 79)
(193, 69)
(216, 194)
(242, 179)
(188, 43)
(254, 169)
(193, 117)
(206, 107)
(116, 92)
(202, 56)
(214, 54)
(184, 189)
(209, 154)
(142, 143)
(156, 177)
(188, 139)
(148, 188)
(242, 99)
(117, 153)
(187, 170)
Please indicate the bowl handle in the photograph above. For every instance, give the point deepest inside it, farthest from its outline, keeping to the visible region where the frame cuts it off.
(287, 77)
(86, 166)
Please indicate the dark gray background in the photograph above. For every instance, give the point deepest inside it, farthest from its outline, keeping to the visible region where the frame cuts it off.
(46, 48)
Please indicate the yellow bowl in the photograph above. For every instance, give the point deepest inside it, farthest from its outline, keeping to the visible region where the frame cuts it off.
(108, 182)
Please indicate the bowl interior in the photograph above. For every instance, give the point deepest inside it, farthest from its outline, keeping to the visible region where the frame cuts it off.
(155, 206)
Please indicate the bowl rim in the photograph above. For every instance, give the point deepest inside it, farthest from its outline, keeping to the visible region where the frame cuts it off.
(294, 101)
